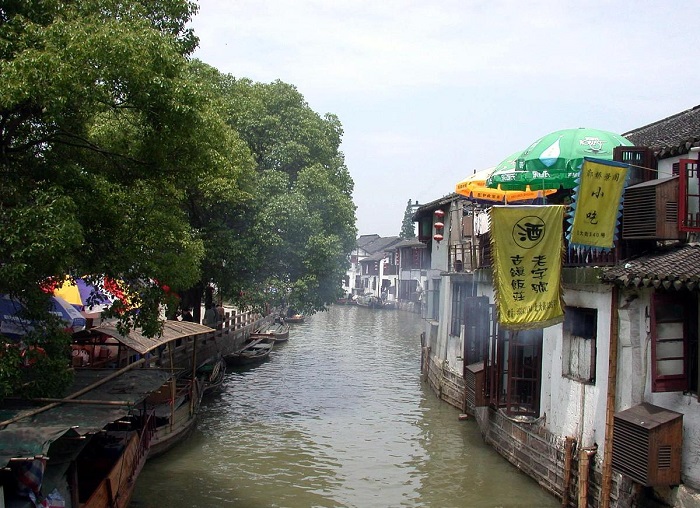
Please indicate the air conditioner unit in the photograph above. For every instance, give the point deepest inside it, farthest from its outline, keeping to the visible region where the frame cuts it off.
(650, 211)
(647, 444)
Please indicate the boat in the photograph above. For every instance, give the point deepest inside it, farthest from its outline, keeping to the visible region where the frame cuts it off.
(277, 331)
(369, 301)
(294, 318)
(173, 412)
(84, 450)
(256, 350)
(211, 375)
(119, 448)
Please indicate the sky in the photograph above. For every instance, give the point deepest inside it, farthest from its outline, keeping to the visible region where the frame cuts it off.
(430, 92)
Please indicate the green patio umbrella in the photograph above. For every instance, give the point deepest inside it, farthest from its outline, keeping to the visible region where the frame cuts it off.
(554, 161)
(505, 171)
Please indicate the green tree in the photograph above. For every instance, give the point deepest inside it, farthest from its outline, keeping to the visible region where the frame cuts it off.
(101, 121)
(407, 226)
(303, 223)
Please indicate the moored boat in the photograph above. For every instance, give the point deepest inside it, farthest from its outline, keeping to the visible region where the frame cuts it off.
(294, 318)
(369, 301)
(211, 374)
(174, 412)
(277, 331)
(256, 350)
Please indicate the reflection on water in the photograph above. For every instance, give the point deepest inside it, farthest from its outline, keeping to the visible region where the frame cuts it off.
(338, 417)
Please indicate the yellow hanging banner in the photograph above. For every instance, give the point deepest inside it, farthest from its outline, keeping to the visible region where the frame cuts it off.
(527, 249)
(597, 203)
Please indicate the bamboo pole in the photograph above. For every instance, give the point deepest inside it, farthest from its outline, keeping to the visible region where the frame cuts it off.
(194, 374)
(95, 402)
(583, 474)
(568, 459)
(73, 395)
(606, 480)
(173, 383)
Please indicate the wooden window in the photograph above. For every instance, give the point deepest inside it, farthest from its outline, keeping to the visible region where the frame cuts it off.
(671, 341)
(514, 366)
(689, 196)
(434, 299)
(476, 328)
(459, 294)
(579, 344)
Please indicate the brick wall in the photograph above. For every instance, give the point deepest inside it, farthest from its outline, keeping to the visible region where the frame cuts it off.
(447, 384)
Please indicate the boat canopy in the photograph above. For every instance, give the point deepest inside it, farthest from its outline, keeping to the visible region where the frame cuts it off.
(32, 436)
(137, 341)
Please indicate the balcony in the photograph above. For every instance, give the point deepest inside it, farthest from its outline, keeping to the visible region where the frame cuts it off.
(574, 256)
(390, 269)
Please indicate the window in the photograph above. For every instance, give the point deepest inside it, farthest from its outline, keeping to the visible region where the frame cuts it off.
(674, 342)
(476, 328)
(689, 196)
(459, 294)
(579, 344)
(434, 299)
(515, 370)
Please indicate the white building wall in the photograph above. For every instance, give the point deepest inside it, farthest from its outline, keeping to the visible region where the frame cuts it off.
(445, 348)
(634, 381)
(572, 407)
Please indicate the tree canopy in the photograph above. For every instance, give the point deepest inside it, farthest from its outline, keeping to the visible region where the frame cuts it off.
(408, 229)
(120, 156)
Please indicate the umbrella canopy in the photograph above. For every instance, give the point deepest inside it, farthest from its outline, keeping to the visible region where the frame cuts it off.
(554, 160)
(14, 324)
(475, 189)
(90, 299)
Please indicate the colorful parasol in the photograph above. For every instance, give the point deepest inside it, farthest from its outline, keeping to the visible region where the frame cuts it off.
(554, 161)
(475, 189)
(14, 324)
(86, 297)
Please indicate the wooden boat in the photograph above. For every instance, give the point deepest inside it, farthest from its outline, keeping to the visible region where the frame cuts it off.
(295, 318)
(277, 331)
(211, 374)
(174, 408)
(87, 449)
(256, 350)
(369, 301)
(109, 465)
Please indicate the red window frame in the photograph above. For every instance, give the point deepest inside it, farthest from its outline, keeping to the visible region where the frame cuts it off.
(688, 169)
(675, 382)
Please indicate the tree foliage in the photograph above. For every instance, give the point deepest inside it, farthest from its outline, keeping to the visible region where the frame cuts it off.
(300, 224)
(122, 157)
(408, 229)
(99, 120)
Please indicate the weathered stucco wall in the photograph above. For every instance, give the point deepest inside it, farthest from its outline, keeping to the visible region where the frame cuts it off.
(573, 407)
(635, 379)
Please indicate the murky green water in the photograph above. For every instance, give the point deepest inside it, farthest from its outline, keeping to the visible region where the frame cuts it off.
(338, 417)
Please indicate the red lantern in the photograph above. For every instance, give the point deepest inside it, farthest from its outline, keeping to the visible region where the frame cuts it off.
(437, 238)
(439, 225)
(439, 213)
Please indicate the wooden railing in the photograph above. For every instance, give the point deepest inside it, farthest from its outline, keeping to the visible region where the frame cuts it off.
(578, 256)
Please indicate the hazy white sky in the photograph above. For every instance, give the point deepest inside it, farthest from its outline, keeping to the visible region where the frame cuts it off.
(429, 92)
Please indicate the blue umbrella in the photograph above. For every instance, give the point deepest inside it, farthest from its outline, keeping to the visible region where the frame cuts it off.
(13, 324)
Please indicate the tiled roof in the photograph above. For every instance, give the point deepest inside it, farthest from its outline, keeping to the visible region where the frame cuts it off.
(676, 267)
(380, 244)
(377, 256)
(671, 136)
(366, 240)
(429, 208)
(408, 242)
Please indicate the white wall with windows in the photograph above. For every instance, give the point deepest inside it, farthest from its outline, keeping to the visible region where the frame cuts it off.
(659, 362)
(573, 401)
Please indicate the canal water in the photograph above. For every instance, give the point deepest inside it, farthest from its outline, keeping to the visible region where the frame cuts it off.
(337, 417)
